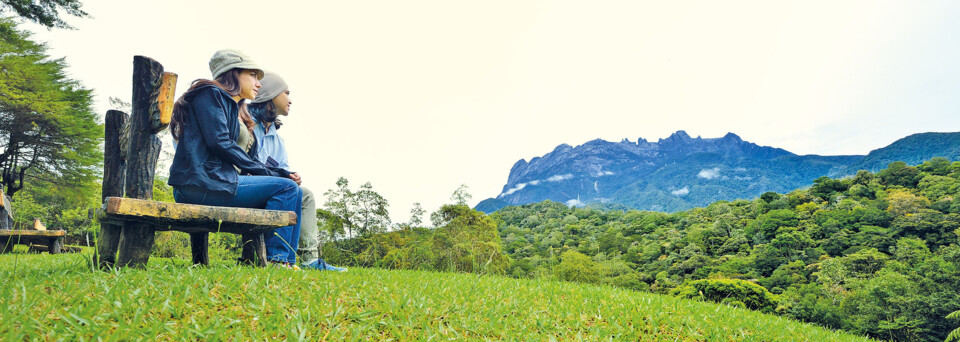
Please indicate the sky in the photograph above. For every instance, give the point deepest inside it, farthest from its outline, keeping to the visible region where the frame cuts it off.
(418, 97)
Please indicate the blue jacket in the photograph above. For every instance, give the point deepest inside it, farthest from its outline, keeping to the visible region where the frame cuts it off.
(207, 151)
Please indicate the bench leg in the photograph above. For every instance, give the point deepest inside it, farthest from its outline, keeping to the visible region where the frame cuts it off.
(136, 244)
(6, 244)
(253, 250)
(56, 244)
(200, 245)
(107, 243)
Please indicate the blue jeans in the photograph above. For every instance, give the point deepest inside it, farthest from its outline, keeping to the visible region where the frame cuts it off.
(262, 192)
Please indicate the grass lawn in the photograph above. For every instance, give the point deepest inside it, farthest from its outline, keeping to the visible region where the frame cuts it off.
(58, 297)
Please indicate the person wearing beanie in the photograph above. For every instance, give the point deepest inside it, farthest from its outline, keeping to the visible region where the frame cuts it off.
(272, 101)
(215, 162)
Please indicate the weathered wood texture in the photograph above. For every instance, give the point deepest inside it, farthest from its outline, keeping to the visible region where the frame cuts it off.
(161, 119)
(136, 244)
(253, 250)
(136, 239)
(56, 245)
(199, 245)
(52, 239)
(113, 175)
(43, 233)
(192, 218)
(6, 212)
(144, 146)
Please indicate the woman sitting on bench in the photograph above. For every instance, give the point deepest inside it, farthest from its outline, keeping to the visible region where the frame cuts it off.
(211, 165)
(272, 101)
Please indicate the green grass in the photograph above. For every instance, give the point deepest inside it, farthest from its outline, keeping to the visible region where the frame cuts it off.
(58, 297)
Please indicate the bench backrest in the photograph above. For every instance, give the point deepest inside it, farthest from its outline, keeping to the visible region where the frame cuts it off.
(6, 212)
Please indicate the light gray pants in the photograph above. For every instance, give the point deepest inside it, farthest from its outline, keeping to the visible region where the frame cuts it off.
(309, 248)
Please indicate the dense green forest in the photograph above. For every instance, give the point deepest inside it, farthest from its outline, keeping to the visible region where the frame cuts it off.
(50, 136)
(872, 254)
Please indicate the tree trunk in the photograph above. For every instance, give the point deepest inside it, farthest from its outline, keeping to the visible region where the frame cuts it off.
(136, 240)
(56, 245)
(199, 245)
(253, 250)
(113, 175)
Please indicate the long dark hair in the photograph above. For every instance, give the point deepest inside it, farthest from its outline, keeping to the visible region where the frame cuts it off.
(229, 81)
(265, 112)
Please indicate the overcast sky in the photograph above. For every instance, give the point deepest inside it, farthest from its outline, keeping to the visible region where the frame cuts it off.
(419, 97)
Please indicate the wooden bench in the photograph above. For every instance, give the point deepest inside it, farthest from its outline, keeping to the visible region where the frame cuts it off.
(199, 221)
(52, 239)
(129, 218)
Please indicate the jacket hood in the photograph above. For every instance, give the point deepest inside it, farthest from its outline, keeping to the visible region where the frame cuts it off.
(193, 93)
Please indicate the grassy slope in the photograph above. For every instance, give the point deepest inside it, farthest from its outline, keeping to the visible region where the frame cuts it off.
(45, 297)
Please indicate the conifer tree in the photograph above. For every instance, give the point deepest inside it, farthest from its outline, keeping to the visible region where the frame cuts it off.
(48, 129)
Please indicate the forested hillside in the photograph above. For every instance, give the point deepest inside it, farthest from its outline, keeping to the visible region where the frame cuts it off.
(874, 254)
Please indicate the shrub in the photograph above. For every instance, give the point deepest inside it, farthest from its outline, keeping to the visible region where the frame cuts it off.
(172, 245)
(730, 291)
(577, 267)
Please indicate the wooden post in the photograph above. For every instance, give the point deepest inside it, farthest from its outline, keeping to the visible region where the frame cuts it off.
(113, 175)
(161, 119)
(6, 212)
(136, 239)
(199, 245)
(56, 244)
(253, 250)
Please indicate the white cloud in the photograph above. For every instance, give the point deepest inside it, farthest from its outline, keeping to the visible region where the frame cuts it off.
(709, 173)
(557, 178)
(573, 202)
(602, 173)
(514, 189)
(681, 192)
(518, 187)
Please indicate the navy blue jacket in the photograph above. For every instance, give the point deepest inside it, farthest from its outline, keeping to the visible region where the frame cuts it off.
(207, 151)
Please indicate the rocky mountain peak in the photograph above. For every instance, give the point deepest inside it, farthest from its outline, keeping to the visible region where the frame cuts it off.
(680, 172)
(676, 137)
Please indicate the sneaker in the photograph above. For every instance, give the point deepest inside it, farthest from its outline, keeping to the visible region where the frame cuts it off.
(320, 265)
(286, 265)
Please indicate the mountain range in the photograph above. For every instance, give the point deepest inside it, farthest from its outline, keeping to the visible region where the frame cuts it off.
(680, 172)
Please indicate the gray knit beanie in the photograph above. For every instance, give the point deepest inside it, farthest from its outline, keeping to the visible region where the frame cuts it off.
(226, 59)
(272, 85)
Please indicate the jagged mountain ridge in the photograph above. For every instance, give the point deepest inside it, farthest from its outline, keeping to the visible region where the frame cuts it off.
(680, 172)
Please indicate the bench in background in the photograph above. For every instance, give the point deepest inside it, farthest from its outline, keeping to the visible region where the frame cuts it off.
(52, 240)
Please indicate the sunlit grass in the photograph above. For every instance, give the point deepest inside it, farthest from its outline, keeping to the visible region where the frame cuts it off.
(58, 297)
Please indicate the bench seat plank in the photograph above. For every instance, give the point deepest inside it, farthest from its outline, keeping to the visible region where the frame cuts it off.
(192, 218)
(48, 233)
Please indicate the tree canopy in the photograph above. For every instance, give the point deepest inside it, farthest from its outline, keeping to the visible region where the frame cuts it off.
(45, 12)
(49, 133)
